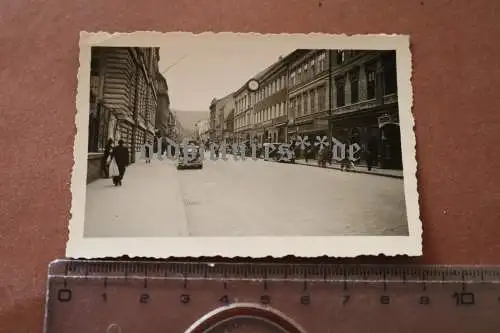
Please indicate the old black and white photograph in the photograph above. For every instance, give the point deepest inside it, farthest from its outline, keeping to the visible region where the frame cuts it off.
(244, 145)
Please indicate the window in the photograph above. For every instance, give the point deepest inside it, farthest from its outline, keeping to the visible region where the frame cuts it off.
(313, 100)
(321, 62)
(283, 82)
(340, 89)
(306, 103)
(299, 105)
(313, 67)
(390, 76)
(299, 75)
(306, 72)
(278, 82)
(370, 78)
(321, 98)
(340, 56)
(354, 86)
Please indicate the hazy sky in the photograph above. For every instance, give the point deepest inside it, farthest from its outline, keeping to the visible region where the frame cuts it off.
(214, 66)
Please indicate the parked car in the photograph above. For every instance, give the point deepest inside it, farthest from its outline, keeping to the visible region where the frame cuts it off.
(285, 153)
(190, 157)
(279, 152)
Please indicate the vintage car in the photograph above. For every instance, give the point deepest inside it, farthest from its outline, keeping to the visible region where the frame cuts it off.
(190, 157)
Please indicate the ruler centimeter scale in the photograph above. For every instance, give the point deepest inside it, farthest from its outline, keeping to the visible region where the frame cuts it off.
(194, 297)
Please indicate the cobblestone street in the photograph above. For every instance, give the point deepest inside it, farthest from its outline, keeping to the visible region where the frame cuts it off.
(244, 198)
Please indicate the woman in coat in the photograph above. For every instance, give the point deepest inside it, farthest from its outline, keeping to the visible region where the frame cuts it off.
(104, 162)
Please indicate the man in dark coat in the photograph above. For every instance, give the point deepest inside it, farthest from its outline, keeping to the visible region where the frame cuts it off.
(121, 156)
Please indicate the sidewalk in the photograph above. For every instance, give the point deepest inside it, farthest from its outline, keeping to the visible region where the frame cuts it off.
(149, 204)
(374, 171)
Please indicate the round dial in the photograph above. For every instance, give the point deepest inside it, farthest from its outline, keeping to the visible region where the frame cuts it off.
(244, 318)
(246, 325)
(253, 85)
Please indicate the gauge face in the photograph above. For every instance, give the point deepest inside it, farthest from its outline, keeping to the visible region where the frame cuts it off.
(253, 85)
(246, 325)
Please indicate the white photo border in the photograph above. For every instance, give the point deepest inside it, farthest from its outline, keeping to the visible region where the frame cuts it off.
(79, 246)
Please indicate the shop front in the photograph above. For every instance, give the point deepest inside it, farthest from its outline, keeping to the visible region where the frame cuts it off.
(377, 134)
(312, 134)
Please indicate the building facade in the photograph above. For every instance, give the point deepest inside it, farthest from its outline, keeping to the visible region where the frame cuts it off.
(270, 110)
(123, 99)
(165, 120)
(211, 119)
(220, 110)
(229, 128)
(309, 100)
(202, 131)
(243, 112)
(365, 104)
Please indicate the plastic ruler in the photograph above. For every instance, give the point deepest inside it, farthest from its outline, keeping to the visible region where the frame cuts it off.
(185, 297)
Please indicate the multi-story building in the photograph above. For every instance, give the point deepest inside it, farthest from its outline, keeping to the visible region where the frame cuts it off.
(220, 109)
(164, 117)
(272, 100)
(202, 130)
(123, 99)
(211, 120)
(270, 115)
(308, 87)
(365, 104)
(243, 111)
(229, 128)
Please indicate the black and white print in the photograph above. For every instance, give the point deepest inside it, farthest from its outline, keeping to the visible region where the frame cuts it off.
(244, 145)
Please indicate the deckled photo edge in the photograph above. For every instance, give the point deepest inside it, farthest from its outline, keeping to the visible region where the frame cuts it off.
(335, 246)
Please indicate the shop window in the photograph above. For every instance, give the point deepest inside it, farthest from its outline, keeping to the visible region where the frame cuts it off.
(370, 85)
(340, 90)
(354, 79)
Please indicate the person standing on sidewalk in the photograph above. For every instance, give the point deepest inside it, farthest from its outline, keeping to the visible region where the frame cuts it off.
(121, 157)
(106, 158)
(147, 153)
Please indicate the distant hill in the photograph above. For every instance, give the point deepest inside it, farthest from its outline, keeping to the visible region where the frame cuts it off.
(189, 118)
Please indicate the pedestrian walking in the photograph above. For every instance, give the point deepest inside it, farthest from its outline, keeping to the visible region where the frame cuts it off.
(147, 152)
(106, 158)
(322, 157)
(120, 156)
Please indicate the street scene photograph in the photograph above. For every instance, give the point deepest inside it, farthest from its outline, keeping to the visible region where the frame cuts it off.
(248, 139)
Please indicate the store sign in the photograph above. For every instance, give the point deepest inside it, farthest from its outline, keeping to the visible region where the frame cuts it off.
(387, 119)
